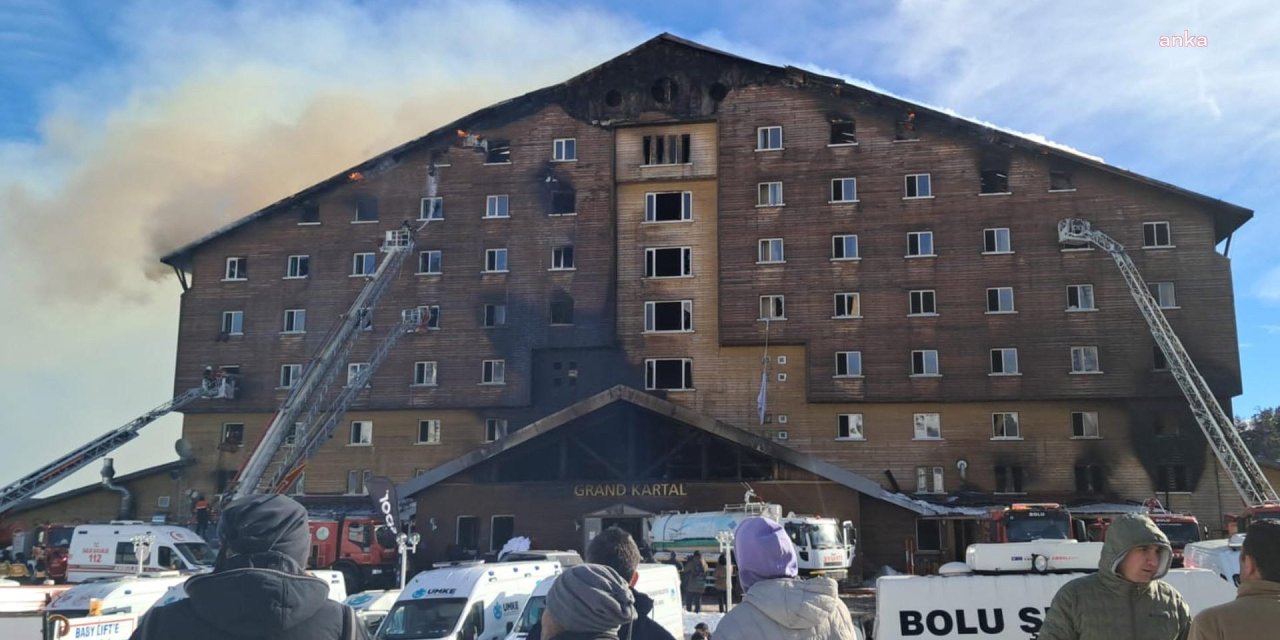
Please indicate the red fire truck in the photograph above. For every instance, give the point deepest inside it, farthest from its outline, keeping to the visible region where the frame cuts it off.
(1024, 522)
(1180, 529)
(358, 545)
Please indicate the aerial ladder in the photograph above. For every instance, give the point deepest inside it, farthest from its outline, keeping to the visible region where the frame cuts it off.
(1219, 429)
(219, 386)
(308, 404)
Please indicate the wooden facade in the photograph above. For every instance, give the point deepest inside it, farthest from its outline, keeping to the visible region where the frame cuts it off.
(712, 106)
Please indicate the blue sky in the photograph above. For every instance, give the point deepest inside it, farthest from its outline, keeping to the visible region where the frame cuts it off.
(129, 128)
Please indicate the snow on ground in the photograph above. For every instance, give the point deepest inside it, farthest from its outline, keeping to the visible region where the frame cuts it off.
(691, 619)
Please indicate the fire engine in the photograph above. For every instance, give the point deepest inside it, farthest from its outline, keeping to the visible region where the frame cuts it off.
(1025, 522)
(358, 545)
(1180, 529)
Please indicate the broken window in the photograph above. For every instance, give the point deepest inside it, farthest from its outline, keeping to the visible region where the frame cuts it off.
(499, 152)
(429, 316)
(354, 371)
(905, 127)
(668, 206)
(1060, 180)
(562, 259)
(233, 434)
(366, 209)
(1165, 424)
(562, 311)
(848, 364)
(849, 426)
(1008, 479)
(1084, 424)
(996, 241)
(928, 532)
(675, 315)
(843, 131)
(1158, 359)
(844, 190)
(773, 307)
(848, 305)
(564, 202)
(1172, 477)
(923, 302)
(309, 214)
(670, 374)
(673, 262)
(1090, 479)
(994, 174)
(666, 149)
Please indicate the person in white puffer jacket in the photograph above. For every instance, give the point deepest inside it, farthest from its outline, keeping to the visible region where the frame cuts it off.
(778, 605)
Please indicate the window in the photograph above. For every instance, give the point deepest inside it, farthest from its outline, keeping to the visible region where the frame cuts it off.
(996, 241)
(495, 260)
(929, 480)
(494, 428)
(366, 209)
(1084, 360)
(843, 131)
(432, 208)
(562, 311)
(904, 128)
(768, 138)
(1163, 293)
(844, 247)
(919, 243)
(1000, 300)
(993, 174)
(928, 426)
(1158, 360)
(1156, 234)
(289, 374)
(355, 370)
(355, 482)
(363, 264)
(1080, 297)
(668, 206)
(923, 303)
(1008, 479)
(126, 553)
(233, 434)
(1172, 477)
(849, 427)
(429, 261)
(233, 323)
(847, 305)
(298, 267)
(844, 190)
(917, 186)
(928, 532)
(564, 149)
(424, 374)
(493, 372)
(769, 194)
(309, 214)
(562, 259)
(672, 374)
(1165, 425)
(673, 262)
(671, 316)
(1004, 426)
(773, 307)
(1084, 424)
(496, 207)
(666, 149)
(502, 529)
(924, 363)
(1004, 362)
(468, 534)
(237, 269)
(497, 152)
(848, 364)
(564, 201)
(493, 315)
(770, 251)
(365, 316)
(295, 321)
(1090, 479)
(1060, 180)
(361, 433)
(428, 432)
(295, 433)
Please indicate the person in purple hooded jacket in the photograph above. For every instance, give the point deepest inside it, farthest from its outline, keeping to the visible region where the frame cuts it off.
(778, 605)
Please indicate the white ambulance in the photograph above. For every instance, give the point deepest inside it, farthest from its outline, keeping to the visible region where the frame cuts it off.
(372, 606)
(658, 581)
(105, 550)
(469, 601)
(114, 596)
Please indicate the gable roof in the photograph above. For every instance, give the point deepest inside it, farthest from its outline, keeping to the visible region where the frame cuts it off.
(723, 430)
(36, 503)
(1227, 217)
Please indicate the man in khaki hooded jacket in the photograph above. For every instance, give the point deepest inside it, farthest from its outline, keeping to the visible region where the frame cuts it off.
(1255, 613)
(1126, 597)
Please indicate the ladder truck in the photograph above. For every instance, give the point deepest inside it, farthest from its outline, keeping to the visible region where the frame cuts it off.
(1219, 429)
(58, 470)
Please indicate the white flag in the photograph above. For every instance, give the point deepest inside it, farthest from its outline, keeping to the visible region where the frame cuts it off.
(764, 393)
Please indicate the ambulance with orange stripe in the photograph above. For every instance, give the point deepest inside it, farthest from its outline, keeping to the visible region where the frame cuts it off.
(105, 550)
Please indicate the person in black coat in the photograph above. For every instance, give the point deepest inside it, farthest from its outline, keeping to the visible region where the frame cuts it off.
(258, 588)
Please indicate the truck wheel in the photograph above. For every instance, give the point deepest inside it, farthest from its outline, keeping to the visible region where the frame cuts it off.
(351, 575)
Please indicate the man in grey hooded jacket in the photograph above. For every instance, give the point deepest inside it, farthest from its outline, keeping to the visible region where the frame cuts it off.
(779, 606)
(1126, 597)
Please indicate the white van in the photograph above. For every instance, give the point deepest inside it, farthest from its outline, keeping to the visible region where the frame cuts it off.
(105, 550)
(119, 595)
(658, 581)
(372, 606)
(466, 602)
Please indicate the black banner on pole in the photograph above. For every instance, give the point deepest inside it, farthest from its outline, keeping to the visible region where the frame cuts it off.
(386, 504)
